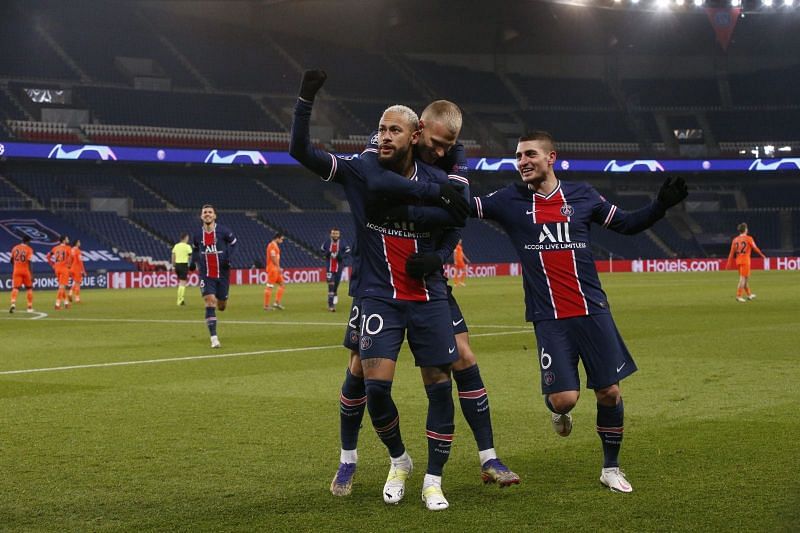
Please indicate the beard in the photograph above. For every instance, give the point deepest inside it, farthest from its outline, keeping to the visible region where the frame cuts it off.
(396, 160)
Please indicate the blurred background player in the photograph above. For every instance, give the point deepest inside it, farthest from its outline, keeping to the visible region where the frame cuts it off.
(438, 145)
(76, 272)
(22, 275)
(181, 253)
(335, 250)
(212, 248)
(60, 259)
(563, 296)
(274, 273)
(742, 247)
(460, 261)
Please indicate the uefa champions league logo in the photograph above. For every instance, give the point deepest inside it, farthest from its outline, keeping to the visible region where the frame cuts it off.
(91, 151)
(639, 165)
(787, 163)
(252, 157)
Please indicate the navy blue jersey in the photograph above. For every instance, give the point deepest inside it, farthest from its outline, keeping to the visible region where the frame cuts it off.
(335, 252)
(551, 236)
(212, 250)
(380, 253)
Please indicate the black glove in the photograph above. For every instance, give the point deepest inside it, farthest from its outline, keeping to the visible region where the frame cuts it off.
(313, 80)
(420, 265)
(453, 202)
(673, 192)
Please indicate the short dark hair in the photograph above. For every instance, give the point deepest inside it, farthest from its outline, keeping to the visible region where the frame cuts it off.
(539, 135)
(62, 238)
(184, 235)
(742, 227)
(277, 236)
(209, 205)
(335, 229)
(26, 239)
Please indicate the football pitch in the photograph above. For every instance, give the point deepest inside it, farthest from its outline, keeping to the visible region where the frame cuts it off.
(116, 415)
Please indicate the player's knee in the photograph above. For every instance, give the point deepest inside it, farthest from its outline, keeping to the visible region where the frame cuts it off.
(435, 374)
(355, 365)
(379, 393)
(563, 402)
(466, 358)
(609, 396)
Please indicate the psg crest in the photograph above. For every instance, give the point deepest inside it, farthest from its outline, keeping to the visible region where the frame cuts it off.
(567, 210)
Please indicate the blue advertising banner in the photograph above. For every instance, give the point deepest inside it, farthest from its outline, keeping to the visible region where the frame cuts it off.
(213, 156)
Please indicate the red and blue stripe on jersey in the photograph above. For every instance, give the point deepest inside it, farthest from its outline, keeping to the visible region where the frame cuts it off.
(551, 234)
(212, 249)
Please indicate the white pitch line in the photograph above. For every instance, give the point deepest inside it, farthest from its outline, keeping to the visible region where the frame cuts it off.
(200, 321)
(200, 357)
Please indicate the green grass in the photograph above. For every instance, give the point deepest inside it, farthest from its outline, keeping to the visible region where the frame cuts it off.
(250, 442)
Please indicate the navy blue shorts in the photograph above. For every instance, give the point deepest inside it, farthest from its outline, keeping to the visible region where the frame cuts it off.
(384, 323)
(594, 339)
(351, 335)
(216, 286)
(333, 277)
(456, 318)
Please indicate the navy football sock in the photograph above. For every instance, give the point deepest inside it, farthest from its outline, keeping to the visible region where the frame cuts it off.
(439, 427)
(384, 415)
(475, 405)
(610, 427)
(352, 401)
(211, 320)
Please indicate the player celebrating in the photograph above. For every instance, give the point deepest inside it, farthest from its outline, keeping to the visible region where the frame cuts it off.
(391, 301)
(60, 260)
(213, 247)
(22, 274)
(548, 222)
(335, 250)
(181, 253)
(441, 123)
(741, 248)
(76, 272)
(274, 273)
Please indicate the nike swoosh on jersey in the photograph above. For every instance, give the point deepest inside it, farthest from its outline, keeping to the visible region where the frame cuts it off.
(457, 322)
(451, 349)
(620, 366)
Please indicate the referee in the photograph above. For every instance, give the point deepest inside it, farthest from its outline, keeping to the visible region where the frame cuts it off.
(181, 253)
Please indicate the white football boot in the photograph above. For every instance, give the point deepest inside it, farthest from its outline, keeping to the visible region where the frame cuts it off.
(614, 479)
(215, 342)
(395, 487)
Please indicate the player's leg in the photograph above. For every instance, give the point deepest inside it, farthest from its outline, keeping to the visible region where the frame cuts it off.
(558, 366)
(29, 294)
(77, 285)
(71, 291)
(742, 284)
(474, 401)
(14, 292)
(382, 328)
(607, 361)
(352, 404)
(279, 294)
(431, 340)
(267, 296)
(208, 288)
(329, 279)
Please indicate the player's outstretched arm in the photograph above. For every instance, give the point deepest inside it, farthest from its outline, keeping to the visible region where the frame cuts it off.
(672, 192)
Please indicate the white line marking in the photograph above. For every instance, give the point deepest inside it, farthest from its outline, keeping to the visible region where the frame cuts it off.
(200, 357)
(224, 321)
(40, 315)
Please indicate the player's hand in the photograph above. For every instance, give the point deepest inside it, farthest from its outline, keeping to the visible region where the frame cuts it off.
(313, 80)
(453, 202)
(672, 192)
(420, 265)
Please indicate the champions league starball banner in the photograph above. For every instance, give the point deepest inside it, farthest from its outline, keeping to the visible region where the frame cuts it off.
(214, 156)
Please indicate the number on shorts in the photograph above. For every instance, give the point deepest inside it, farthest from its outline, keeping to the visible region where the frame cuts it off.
(367, 323)
(545, 360)
(353, 317)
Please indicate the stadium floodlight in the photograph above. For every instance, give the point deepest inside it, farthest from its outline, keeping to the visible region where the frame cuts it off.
(767, 3)
(662, 4)
(698, 3)
(788, 3)
(736, 3)
(634, 2)
(679, 3)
